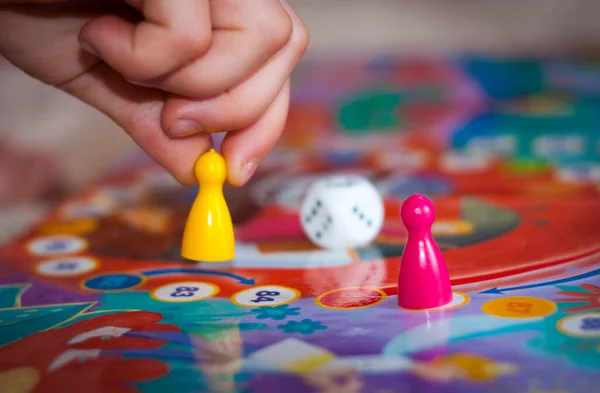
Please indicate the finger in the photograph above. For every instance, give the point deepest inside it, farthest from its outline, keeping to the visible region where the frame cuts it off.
(138, 111)
(246, 35)
(245, 148)
(172, 34)
(243, 104)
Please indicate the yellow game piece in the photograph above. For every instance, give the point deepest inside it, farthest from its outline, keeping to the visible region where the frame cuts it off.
(208, 234)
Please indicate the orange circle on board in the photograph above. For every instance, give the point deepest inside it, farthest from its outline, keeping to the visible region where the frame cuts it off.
(70, 227)
(520, 307)
(350, 298)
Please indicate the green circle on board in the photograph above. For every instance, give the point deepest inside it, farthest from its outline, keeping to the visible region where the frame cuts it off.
(371, 110)
(528, 166)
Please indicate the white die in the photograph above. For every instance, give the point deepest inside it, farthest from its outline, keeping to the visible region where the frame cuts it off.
(342, 211)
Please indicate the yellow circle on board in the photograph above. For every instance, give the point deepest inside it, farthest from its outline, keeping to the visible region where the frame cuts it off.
(452, 228)
(72, 227)
(519, 307)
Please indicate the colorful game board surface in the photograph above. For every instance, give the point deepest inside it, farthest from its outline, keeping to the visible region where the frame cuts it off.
(97, 298)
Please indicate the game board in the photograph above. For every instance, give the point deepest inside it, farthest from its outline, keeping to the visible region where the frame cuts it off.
(97, 298)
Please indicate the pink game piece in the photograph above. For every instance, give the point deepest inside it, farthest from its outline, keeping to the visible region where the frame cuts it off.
(423, 281)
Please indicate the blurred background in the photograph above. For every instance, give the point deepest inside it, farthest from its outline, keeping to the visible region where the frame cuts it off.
(53, 145)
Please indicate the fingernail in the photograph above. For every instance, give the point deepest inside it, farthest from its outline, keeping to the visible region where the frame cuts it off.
(248, 169)
(138, 83)
(183, 128)
(86, 46)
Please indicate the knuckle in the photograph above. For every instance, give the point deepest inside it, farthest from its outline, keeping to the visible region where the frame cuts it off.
(194, 41)
(138, 71)
(242, 112)
(151, 62)
(276, 32)
(301, 38)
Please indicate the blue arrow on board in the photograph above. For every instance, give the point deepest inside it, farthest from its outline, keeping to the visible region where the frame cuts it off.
(241, 279)
(500, 291)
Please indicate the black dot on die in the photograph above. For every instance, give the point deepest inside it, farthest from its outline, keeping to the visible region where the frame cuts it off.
(318, 203)
(369, 223)
(361, 216)
(314, 211)
(355, 209)
(318, 235)
(307, 219)
(329, 219)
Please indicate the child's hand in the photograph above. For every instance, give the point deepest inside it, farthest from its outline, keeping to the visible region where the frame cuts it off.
(140, 58)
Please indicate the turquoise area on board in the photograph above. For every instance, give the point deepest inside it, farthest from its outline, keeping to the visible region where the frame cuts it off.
(276, 313)
(16, 323)
(505, 78)
(539, 129)
(185, 378)
(10, 295)
(583, 352)
(572, 288)
(305, 326)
